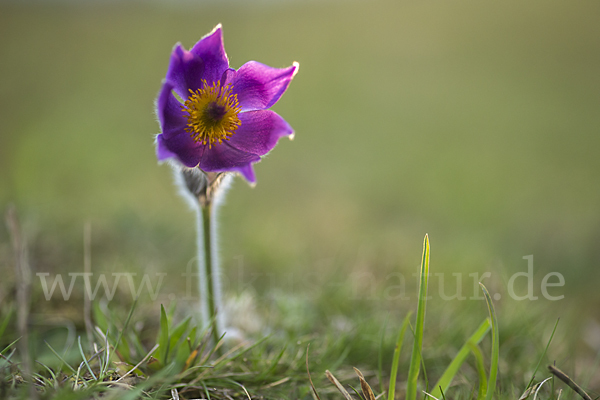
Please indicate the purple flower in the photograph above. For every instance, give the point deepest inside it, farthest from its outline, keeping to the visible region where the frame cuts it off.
(223, 122)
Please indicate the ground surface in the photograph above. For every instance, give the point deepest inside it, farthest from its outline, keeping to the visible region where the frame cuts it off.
(476, 123)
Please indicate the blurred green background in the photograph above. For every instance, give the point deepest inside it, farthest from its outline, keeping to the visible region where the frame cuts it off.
(476, 122)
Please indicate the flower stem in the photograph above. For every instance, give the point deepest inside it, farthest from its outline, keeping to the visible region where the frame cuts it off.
(209, 273)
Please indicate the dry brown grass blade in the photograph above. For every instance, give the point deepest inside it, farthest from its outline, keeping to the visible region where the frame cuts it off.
(366, 389)
(277, 383)
(339, 386)
(190, 359)
(23, 296)
(528, 392)
(312, 386)
(563, 377)
(87, 268)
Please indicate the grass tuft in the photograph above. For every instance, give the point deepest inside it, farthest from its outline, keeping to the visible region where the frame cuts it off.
(396, 358)
(445, 380)
(491, 388)
(177, 359)
(415, 360)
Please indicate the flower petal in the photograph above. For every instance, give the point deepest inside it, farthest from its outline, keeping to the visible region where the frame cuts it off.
(259, 131)
(223, 157)
(248, 173)
(172, 119)
(259, 86)
(186, 71)
(162, 152)
(212, 53)
(180, 146)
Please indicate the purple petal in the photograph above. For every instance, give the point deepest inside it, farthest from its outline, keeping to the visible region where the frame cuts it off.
(259, 131)
(162, 152)
(180, 146)
(248, 173)
(212, 53)
(223, 157)
(171, 117)
(259, 86)
(186, 71)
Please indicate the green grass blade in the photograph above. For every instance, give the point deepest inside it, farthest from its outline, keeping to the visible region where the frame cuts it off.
(273, 365)
(380, 357)
(206, 391)
(177, 336)
(186, 348)
(415, 359)
(340, 360)
(125, 351)
(425, 379)
(99, 317)
(360, 396)
(480, 371)
(63, 362)
(495, 345)
(223, 361)
(180, 330)
(450, 372)
(85, 358)
(396, 359)
(543, 355)
(106, 360)
(49, 382)
(163, 377)
(6, 320)
(592, 371)
(10, 345)
(163, 337)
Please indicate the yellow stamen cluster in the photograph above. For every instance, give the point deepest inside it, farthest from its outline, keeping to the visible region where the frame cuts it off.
(212, 113)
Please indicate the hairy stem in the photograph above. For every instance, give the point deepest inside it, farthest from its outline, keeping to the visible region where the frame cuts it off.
(209, 272)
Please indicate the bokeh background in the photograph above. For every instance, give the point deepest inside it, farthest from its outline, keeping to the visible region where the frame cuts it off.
(476, 122)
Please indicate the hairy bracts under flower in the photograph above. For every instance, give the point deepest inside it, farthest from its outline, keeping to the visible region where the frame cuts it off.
(217, 118)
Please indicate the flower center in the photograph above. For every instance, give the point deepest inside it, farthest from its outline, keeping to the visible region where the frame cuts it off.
(212, 113)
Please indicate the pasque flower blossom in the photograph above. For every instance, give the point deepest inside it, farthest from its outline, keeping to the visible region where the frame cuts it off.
(217, 118)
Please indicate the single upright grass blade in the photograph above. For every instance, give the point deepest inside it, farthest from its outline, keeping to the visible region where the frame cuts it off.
(495, 345)
(415, 359)
(121, 344)
(177, 336)
(543, 355)
(480, 371)
(62, 360)
(380, 357)
(163, 337)
(85, 360)
(9, 346)
(6, 320)
(446, 378)
(396, 359)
